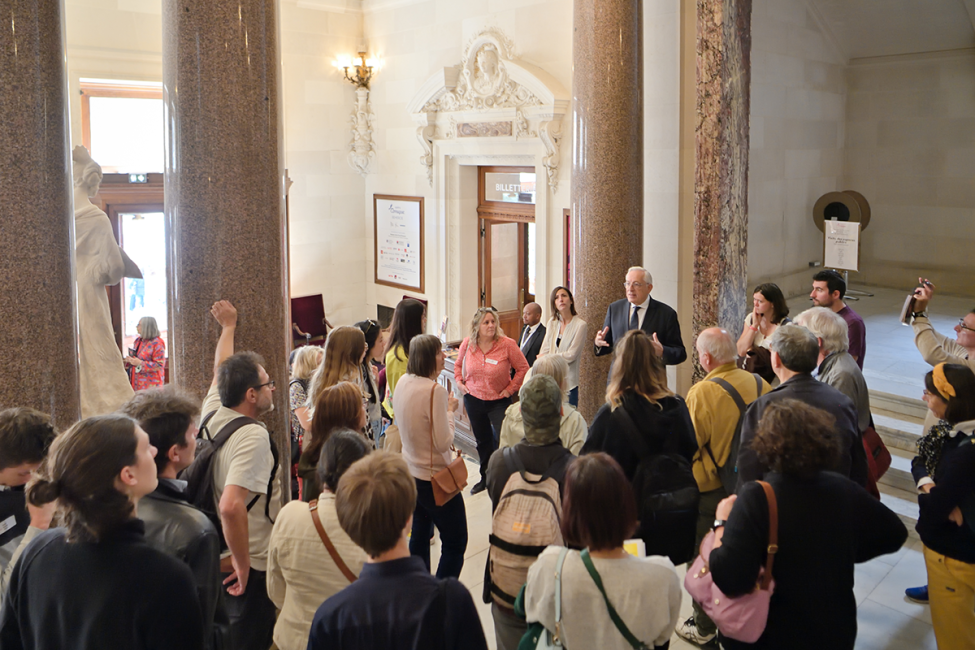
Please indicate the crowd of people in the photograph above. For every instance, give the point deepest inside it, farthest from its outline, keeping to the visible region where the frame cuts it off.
(164, 525)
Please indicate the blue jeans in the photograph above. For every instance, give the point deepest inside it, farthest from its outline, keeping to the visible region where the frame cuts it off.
(574, 397)
(451, 521)
(486, 417)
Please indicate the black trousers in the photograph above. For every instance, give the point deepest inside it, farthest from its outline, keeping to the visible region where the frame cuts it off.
(486, 417)
(252, 615)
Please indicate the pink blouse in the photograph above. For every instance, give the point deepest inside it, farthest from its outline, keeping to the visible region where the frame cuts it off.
(488, 375)
(152, 353)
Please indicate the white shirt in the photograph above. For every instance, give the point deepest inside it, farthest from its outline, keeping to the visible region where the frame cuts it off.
(641, 315)
(528, 334)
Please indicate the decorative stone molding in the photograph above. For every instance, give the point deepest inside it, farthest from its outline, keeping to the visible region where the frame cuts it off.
(362, 149)
(487, 89)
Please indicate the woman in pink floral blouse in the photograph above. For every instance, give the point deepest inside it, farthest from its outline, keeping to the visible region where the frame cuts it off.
(147, 362)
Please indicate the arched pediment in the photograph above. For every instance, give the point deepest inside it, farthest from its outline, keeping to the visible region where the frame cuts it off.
(490, 94)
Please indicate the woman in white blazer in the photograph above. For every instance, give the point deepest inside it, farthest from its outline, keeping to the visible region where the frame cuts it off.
(565, 335)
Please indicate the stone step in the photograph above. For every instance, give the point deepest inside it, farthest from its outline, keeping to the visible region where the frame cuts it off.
(898, 475)
(898, 406)
(898, 433)
(904, 505)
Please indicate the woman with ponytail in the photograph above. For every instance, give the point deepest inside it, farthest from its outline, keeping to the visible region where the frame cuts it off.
(95, 582)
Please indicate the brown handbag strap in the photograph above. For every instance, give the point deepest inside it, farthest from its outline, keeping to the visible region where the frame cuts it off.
(432, 390)
(313, 508)
(773, 533)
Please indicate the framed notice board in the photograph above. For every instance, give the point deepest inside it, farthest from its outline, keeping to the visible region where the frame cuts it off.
(398, 228)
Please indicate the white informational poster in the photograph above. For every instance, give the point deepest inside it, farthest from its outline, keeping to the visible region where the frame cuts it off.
(399, 241)
(842, 245)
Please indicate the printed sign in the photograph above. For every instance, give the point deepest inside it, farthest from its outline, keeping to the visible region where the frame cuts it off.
(398, 224)
(842, 245)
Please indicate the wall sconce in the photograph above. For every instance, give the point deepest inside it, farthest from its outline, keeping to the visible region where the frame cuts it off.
(361, 149)
(362, 68)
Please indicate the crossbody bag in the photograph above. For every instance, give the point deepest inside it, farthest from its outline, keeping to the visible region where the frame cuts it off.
(448, 482)
(339, 562)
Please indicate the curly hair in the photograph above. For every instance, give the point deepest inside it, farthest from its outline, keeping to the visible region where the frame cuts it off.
(165, 414)
(797, 439)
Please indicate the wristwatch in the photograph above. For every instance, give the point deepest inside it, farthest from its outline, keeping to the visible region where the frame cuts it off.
(718, 523)
(917, 314)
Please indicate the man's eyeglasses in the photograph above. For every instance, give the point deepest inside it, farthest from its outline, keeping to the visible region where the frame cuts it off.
(269, 384)
(961, 325)
(635, 285)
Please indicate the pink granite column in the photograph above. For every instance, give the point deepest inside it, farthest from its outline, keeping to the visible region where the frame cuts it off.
(607, 169)
(38, 341)
(721, 296)
(224, 189)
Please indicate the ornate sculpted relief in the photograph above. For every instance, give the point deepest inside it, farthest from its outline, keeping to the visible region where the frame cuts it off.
(483, 129)
(361, 148)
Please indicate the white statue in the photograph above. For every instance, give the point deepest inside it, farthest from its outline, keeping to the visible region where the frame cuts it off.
(487, 71)
(99, 263)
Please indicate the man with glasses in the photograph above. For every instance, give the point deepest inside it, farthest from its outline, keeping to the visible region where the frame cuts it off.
(244, 468)
(639, 311)
(935, 347)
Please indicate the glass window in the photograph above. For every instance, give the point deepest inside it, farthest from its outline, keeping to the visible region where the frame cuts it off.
(127, 134)
(509, 187)
(143, 238)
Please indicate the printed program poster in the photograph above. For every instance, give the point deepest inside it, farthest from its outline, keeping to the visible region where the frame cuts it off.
(842, 246)
(399, 241)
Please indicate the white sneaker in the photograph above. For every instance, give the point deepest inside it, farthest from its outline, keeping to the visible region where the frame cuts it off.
(688, 631)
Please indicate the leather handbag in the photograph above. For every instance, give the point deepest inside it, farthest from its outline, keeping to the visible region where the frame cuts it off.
(448, 482)
(339, 562)
(742, 618)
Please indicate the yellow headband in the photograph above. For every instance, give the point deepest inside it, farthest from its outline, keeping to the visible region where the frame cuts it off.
(941, 382)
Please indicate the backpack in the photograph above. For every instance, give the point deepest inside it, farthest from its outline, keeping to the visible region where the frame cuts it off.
(200, 490)
(527, 520)
(667, 496)
(728, 473)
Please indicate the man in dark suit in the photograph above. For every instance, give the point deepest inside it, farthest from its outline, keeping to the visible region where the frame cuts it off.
(640, 311)
(533, 333)
(795, 354)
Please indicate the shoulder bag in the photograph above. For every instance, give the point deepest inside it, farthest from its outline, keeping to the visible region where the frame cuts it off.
(537, 636)
(742, 618)
(634, 642)
(448, 482)
(339, 562)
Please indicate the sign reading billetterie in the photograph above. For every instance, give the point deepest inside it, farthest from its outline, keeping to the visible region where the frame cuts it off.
(399, 241)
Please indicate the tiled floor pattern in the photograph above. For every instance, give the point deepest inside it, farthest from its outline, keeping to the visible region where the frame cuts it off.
(887, 620)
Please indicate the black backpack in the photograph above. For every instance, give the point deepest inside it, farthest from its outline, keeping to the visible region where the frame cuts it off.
(667, 496)
(199, 475)
(728, 473)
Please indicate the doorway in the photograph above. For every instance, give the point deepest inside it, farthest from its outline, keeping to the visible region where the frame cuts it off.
(507, 242)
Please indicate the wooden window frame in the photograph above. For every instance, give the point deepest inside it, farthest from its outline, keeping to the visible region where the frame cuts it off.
(91, 89)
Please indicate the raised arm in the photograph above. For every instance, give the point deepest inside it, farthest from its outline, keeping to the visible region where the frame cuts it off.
(226, 315)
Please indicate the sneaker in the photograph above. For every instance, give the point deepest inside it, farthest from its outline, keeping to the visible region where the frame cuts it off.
(688, 631)
(918, 594)
(480, 487)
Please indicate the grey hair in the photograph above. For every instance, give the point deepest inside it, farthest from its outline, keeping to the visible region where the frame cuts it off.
(718, 343)
(796, 346)
(554, 366)
(150, 330)
(646, 274)
(826, 324)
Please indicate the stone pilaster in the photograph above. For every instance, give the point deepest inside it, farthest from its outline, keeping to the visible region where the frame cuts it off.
(38, 337)
(721, 171)
(607, 169)
(225, 189)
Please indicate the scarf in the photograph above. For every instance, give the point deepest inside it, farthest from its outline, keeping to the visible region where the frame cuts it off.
(930, 445)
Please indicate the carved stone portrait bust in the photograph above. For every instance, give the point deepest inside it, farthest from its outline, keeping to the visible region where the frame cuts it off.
(487, 73)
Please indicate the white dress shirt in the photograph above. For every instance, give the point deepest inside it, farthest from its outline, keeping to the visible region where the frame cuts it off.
(528, 333)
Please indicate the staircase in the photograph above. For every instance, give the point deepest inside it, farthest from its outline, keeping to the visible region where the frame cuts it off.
(900, 422)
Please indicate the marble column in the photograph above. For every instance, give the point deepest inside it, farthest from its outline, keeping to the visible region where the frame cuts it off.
(721, 296)
(225, 190)
(607, 169)
(38, 342)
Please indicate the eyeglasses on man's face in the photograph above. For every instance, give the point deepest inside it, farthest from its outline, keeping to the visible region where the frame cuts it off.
(269, 384)
(962, 326)
(635, 285)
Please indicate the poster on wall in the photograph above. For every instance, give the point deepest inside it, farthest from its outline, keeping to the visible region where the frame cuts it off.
(398, 228)
(842, 245)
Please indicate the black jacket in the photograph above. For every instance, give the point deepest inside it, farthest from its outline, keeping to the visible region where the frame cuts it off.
(534, 344)
(116, 593)
(660, 319)
(853, 461)
(671, 418)
(954, 480)
(178, 529)
(826, 525)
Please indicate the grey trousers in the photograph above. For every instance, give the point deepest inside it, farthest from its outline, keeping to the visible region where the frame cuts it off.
(705, 518)
(508, 628)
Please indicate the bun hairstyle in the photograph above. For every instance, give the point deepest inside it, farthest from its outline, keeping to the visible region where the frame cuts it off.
(87, 173)
(80, 474)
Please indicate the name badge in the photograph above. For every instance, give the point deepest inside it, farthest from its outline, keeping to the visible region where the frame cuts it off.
(7, 524)
(493, 362)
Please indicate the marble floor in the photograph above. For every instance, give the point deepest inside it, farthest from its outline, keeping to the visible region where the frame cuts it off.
(887, 620)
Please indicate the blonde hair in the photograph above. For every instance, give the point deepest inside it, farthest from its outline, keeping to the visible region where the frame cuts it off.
(306, 361)
(479, 316)
(552, 365)
(343, 350)
(637, 368)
